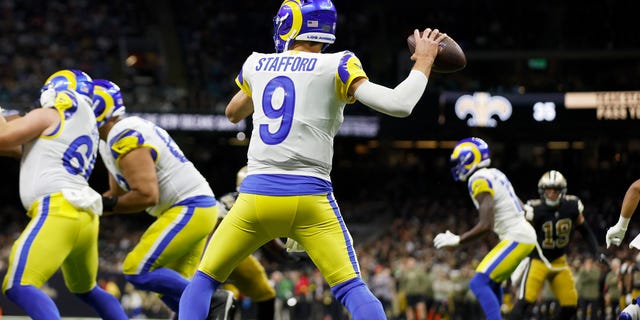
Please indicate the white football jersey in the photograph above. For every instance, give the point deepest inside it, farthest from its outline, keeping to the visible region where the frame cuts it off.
(298, 99)
(178, 179)
(509, 221)
(64, 158)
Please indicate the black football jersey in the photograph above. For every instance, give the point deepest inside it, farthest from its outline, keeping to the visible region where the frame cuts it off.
(554, 225)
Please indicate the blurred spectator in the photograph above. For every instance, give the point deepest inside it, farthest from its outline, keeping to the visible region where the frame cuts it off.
(413, 282)
(383, 287)
(612, 290)
(589, 294)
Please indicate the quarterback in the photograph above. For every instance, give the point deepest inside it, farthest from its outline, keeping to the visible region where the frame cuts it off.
(297, 97)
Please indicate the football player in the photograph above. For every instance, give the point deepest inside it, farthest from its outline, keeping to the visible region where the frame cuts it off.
(500, 210)
(148, 172)
(555, 215)
(60, 142)
(297, 97)
(616, 234)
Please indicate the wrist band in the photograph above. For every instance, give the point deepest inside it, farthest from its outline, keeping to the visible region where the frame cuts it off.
(623, 222)
(108, 203)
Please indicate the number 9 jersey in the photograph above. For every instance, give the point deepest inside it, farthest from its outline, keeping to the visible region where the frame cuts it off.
(299, 99)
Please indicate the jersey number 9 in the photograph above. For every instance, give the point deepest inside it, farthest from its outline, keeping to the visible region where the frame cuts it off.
(281, 88)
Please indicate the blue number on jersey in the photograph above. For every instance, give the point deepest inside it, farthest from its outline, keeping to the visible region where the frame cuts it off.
(507, 185)
(170, 143)
(285, 111)
(75, 161)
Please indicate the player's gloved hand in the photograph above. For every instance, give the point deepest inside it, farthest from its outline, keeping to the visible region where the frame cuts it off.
(447, 239)
(48, 98)
(293, 246)
(602, 258)
(616, 233)
(528, 212)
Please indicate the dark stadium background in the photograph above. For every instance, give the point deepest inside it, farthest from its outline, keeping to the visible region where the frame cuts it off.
(180, 57)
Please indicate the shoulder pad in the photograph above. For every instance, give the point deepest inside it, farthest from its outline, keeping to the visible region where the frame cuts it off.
(534, 202)
(571, 197)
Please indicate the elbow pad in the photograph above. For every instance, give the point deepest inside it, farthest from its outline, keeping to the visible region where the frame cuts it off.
(397, 102)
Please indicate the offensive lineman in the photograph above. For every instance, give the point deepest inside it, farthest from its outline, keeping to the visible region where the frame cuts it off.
(297, 96)
(554, 217)
(149, 172)
(60, 142)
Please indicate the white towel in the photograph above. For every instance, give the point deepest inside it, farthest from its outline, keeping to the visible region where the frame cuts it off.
(85, 199)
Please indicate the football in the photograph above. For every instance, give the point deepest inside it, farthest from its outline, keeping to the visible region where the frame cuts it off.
(450, 57)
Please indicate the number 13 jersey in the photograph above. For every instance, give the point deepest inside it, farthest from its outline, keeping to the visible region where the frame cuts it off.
(298, 99)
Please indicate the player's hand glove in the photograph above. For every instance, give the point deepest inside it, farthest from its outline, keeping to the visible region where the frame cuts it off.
(528, 212)
(48, 98)
(616, 233)
(447, 239)
(293, 246)
(602, 258)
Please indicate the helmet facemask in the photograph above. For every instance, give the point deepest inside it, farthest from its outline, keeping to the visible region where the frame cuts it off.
(552, 180)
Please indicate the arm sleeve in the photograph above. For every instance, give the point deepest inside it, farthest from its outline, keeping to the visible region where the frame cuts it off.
(588, 235)
(396, 102)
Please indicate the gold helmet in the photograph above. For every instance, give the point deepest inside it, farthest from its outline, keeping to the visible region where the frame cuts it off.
(242, 173)
(552, 180)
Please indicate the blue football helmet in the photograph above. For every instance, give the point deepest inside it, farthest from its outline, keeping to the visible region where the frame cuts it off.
(307, 20)
(71, 79)
(107, 101)
(468, 155)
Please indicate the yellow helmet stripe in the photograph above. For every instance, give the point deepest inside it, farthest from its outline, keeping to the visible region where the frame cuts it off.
(66, 74)
(477, 157)
(296, 23)
(108, 102)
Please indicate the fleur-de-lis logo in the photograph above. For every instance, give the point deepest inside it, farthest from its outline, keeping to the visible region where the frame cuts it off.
(482, 107)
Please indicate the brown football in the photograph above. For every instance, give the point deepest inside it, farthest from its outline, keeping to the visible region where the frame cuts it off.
(450, 58)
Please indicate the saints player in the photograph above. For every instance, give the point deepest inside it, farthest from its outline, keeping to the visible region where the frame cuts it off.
(148, 172)
(59, 148)
(297, 97)
(554, 216)
(500, 210)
